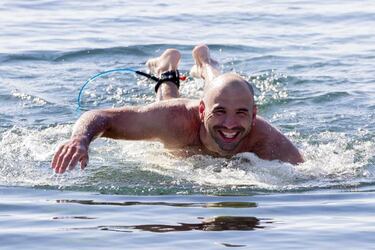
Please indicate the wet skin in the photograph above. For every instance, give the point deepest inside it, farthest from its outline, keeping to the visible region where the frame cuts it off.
(223, 123)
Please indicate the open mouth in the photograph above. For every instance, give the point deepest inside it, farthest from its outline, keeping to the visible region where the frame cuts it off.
(229, 136)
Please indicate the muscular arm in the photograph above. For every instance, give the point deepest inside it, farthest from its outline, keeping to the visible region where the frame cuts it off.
(284, 150)
(169, 121)
(164, 121)
(273, 145)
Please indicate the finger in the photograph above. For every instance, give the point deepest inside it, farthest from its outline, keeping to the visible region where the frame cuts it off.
(60, 158)
(73, 162)
(84, 162)
(65, 161)
(56, 156)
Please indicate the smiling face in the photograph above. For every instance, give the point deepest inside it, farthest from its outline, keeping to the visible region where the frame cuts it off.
(227, 112)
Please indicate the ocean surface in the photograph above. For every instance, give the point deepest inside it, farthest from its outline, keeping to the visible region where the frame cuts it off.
(312, 65)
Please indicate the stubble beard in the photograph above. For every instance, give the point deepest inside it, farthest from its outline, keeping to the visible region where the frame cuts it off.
(227, 147)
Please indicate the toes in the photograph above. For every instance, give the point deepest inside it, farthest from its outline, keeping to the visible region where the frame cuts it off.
(201, 54)
(151, 64)
(194, 72)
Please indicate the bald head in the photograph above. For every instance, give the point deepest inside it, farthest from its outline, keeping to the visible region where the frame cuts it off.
(229, 85)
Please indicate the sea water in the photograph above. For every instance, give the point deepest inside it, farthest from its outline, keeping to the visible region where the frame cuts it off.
(312, 67)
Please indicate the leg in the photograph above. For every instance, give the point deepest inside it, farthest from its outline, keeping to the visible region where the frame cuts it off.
(205, 67)
(208, 69)
(166, 62)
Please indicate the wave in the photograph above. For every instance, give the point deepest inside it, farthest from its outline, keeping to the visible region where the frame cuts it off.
(332, 160)
(131, 50)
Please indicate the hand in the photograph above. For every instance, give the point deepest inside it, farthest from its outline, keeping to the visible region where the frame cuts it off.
(69, 154)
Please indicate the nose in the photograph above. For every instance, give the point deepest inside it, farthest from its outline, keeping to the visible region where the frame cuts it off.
(230, 122)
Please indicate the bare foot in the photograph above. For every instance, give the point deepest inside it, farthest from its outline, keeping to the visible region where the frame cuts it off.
(205, 67)
(166, 62)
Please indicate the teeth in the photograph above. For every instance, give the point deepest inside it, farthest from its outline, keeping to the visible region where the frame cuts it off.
(229, 135)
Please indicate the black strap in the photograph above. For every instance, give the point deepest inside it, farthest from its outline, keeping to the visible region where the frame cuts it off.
(147, 75)
(169, 76)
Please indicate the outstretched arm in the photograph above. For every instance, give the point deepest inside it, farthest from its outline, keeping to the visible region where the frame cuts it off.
(284, 150)
(273, 145)
(165, 121)
(89, 126)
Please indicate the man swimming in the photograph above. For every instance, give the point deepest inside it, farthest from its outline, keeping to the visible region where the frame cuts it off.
(223, 123)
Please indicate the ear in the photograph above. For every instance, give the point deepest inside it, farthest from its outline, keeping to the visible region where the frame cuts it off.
(201, 109)
(255, 110)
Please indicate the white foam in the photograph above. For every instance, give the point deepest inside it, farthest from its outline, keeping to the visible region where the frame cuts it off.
(29, 98)
(331, 159)
(269, 86)
(328, 163)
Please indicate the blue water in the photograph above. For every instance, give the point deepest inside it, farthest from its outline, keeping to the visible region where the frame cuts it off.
(312, 65)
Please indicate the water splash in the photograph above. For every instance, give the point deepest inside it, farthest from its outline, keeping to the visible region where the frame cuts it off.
(270, 87)
(332, 159)
(117, 90)
(29, 99)
(327, 164)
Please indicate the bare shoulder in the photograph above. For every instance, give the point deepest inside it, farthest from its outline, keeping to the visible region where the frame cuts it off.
(172, 105)
(173, 122)
(270, 143)
(179, 121)
(177, 110)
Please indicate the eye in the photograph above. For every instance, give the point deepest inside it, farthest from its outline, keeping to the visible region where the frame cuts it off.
(219, 111)
(242, 112)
